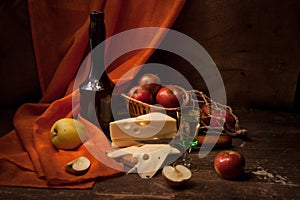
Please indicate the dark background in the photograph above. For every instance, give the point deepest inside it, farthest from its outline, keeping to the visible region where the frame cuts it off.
(255, 44)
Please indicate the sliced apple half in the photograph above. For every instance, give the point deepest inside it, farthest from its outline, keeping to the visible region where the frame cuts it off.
(176, 176)
(78, 166)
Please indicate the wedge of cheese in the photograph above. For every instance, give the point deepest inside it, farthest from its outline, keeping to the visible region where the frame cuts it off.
(150, 157)
(155, 125)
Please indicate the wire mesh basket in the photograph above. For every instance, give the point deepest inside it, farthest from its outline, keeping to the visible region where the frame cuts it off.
(137, 108)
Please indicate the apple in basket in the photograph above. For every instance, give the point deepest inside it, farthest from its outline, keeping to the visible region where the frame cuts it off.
(151, 82)
(212, 117)
(170, 96)
(141, 93)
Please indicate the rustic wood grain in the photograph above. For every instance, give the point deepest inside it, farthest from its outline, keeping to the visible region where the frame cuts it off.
(272, 145)
(255, 45)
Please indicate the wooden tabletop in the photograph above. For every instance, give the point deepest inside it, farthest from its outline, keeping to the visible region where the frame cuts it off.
(272, 169)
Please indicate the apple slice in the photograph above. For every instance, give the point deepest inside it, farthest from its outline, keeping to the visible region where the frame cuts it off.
(176, 176)
(78, 166)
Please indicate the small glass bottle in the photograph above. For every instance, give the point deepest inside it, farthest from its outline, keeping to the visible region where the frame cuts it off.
(96, 90)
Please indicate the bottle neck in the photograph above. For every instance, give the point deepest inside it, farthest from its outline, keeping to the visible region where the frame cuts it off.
(97, 32)
(97, 35)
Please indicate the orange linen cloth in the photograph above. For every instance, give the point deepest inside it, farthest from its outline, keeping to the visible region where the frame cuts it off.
(60, 38)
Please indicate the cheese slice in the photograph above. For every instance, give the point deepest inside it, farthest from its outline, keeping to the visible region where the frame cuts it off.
(155, 125)
(150, 157)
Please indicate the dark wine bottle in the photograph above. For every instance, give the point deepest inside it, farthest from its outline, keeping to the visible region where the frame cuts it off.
(96, 90)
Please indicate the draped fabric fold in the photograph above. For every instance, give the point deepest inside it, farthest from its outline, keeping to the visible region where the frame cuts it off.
(60, 38)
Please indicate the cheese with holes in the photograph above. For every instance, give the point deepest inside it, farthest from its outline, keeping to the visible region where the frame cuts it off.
(150, 157)
(155, 125)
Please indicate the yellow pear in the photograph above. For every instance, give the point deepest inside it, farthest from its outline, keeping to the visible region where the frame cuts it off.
(67, 134)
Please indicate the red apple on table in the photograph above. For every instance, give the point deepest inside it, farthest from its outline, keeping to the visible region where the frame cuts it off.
(150, 81)
(229, 164)
(170, 96)
(141, 93)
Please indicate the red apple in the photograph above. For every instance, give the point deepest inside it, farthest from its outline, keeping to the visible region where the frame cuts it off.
(141, 93)
(214, 118)
(170, 96)
(230, 122)
(211, 117)
(229, 164)
(151, 81)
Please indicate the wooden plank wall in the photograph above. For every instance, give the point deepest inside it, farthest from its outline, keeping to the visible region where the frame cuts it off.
(255, 44)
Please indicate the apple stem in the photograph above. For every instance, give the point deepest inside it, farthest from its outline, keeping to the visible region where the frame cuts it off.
(55, 132)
